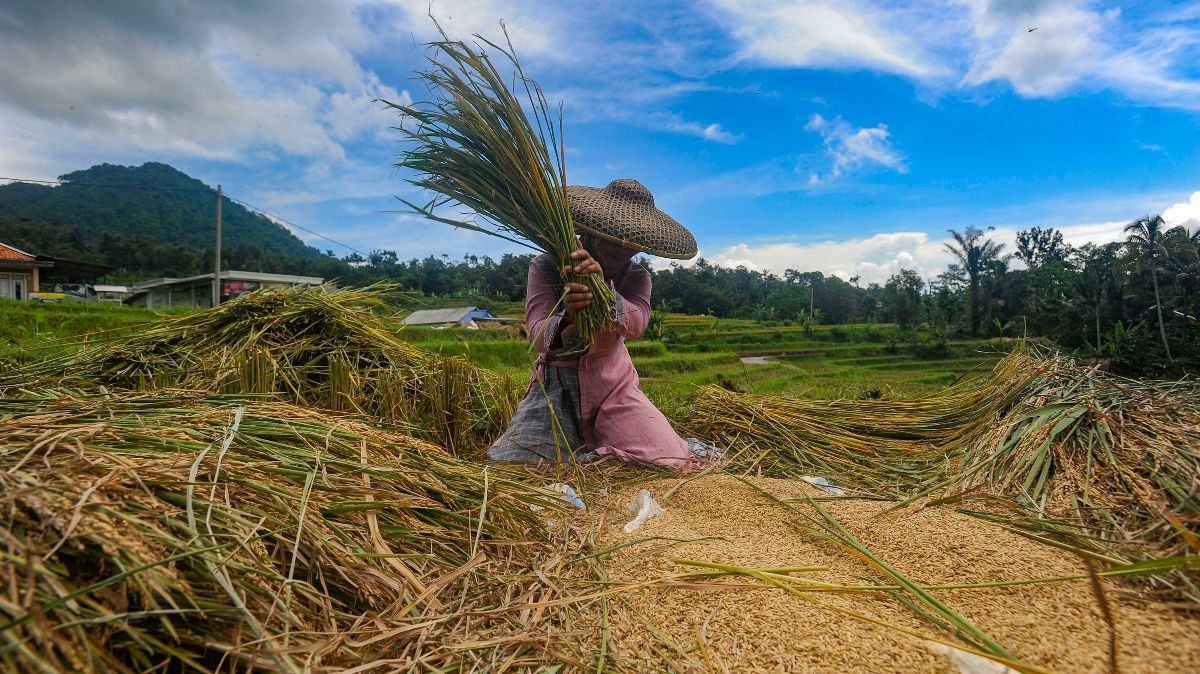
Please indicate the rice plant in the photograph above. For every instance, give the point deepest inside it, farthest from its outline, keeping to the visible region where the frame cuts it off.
(317, 346)
(149, 531)
(475, 145)
(1102, 466)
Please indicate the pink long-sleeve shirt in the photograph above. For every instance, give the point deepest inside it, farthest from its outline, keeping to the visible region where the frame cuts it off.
(617, 418)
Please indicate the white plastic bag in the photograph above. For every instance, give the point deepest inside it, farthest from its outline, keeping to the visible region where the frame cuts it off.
(569, 494)
(645, 507)
(823, 484)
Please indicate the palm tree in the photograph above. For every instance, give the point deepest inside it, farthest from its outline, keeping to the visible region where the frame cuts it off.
(1145, 236)
(1182, 263)
(974, 253)
(1094, 284)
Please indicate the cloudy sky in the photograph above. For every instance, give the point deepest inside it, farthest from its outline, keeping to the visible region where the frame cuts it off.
(839, 135)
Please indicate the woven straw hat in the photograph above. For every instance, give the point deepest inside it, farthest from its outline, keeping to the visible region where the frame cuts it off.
(624, 212)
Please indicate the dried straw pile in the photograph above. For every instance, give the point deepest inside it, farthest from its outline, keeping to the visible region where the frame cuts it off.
(884, 445)
(313, 346)
(1104, 464)
(144, 532)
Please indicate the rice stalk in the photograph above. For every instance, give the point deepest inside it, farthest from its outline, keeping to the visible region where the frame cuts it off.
(234, 533)
(1066, 454)
(475, 145)
(317, 346)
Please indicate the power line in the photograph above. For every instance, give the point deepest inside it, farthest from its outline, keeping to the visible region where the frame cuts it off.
(289, 222)
(250, 206)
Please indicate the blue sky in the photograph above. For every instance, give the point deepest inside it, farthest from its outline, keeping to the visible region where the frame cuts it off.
(812, 134)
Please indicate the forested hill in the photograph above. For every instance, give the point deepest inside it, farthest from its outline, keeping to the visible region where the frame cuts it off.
(109, 213)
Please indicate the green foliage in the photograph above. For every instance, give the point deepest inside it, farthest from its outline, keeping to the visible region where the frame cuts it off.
(902, 295)
(1037, 247)
(144, 220)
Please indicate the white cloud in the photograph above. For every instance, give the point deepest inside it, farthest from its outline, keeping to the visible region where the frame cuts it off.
(1064, 46)
(1076, 45)
(226, 80)
(873, 259)
(709, 132)
(1186, 214)
(824, 33)
(878, 257)
(853, 148)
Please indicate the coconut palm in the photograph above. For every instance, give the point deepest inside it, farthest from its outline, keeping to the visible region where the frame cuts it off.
(1146, 238)
(1094, 285)
(974, 252)
(1182, 263)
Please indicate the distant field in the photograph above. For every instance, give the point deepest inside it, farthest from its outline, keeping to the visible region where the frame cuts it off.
(830, 362)
(29, 330)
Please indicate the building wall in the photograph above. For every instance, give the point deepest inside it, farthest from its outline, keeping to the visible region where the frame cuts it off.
(16, 284)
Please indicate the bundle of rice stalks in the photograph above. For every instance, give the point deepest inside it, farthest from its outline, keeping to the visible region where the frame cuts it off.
(475, 145)
(883, 445)
(315, 346)
(1117, 460)
(147, 533)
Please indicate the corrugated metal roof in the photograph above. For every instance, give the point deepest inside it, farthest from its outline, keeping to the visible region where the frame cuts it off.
(438, 316)
(7, 252)
(231, 275)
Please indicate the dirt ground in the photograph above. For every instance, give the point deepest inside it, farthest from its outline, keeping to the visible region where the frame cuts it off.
(744, 626)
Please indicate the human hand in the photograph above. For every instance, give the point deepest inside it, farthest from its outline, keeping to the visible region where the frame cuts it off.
(585, 263)
(577, 298)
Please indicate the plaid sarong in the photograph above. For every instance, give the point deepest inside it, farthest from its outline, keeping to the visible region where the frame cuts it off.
(547, 423)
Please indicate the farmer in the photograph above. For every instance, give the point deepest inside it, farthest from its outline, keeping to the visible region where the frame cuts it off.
(588, 407)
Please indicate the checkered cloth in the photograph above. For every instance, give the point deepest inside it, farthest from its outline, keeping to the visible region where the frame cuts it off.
(547, 425)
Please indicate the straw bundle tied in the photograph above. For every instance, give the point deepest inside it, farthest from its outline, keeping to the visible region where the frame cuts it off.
(315, 346)
(1102, 465)
(232, 534)
(475, 145)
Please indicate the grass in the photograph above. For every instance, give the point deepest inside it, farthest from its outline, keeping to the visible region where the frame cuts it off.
(32, 329)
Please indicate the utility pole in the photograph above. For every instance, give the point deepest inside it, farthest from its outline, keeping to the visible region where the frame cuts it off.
(811, 319)
(216, 300)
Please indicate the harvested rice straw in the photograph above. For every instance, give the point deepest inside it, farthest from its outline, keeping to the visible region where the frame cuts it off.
(1093, 463)
(475, 145)
(890, 446)
(146, 529)
(317, 346)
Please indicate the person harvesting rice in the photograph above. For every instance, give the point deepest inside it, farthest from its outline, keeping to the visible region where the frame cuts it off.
(584, 407)
(475, 145)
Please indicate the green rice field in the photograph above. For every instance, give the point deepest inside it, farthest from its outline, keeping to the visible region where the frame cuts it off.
(827, 362)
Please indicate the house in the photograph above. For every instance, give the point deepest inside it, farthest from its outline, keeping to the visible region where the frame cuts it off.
(25, 276)
(111, 293)
(463, 316)
(197, 291)
(19, 273)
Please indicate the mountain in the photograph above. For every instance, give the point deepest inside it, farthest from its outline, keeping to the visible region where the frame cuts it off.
(125, 216)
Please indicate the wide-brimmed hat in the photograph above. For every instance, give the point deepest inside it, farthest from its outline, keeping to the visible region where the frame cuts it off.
(624, 212)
